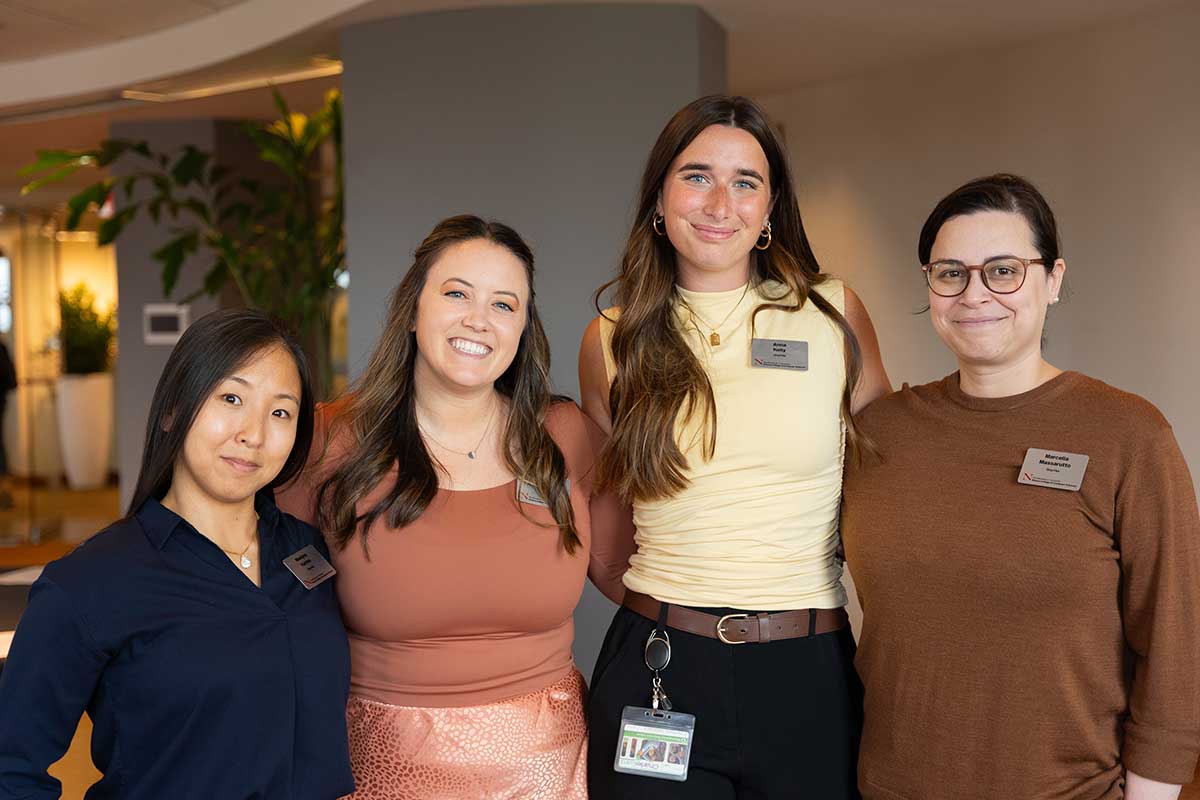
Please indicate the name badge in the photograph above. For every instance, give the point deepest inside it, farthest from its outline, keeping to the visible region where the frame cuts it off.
(527, 493)
(654, 743)
(779, 354)
(309, 567)
(1053, 469)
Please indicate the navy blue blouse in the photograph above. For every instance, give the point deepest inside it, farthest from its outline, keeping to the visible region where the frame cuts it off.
(200, 684)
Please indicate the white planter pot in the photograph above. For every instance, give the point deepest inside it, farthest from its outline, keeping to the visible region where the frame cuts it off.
(85, 423)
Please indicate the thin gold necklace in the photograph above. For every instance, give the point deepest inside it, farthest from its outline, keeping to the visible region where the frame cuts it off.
(714, 338)
(245, 559)
(469, 453)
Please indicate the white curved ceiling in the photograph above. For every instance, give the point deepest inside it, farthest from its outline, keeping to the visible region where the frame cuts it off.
(73, 57)
(54, 50)
(37, 28)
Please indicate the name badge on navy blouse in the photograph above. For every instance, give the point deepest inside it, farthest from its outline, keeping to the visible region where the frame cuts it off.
(309, 567)
(1053, 469)
(527, 493)
(779, 354)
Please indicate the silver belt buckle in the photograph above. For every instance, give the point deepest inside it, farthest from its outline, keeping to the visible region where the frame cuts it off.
(721, 627)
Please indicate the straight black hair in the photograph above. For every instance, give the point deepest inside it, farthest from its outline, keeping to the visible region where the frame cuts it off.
(210, 350)
(999, 192)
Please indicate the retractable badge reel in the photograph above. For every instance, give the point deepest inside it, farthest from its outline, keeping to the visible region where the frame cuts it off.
(655, 742)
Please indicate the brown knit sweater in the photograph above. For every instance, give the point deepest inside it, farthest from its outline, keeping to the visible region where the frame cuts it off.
(1020, 641)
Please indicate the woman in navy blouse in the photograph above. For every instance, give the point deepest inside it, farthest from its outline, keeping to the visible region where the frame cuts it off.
(210, 670)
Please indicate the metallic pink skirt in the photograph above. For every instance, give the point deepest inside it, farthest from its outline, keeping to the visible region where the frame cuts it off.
(530, 746)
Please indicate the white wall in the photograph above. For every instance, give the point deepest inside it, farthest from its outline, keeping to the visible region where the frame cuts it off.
(1106, 123)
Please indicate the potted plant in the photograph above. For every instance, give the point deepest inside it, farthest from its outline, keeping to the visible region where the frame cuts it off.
(280, 242)
(85, 389)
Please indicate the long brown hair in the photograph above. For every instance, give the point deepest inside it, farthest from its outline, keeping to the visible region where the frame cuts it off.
(657, 374)
(380, 418)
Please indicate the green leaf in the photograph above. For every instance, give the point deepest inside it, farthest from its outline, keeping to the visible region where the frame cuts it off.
(48, 159)
(218, 173)
(238, 211)
(199, 208)
(78, 205)
(216, 277)
(172, 255)
(155, 209)
(53, 177)
(190, 166)
(281, 104)
(128, 186)
(111, 228)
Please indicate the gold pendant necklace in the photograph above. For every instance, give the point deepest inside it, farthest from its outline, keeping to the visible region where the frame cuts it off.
(469, 453)
(244, 556)
(714, 338)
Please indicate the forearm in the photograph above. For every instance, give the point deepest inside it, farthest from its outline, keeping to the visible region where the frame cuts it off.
(1139, 788)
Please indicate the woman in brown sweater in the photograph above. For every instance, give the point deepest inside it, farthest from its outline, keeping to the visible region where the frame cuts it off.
(1025, 545)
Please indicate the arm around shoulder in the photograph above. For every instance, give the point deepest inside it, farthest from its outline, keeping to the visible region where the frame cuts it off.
(873, 383)
(593, 377)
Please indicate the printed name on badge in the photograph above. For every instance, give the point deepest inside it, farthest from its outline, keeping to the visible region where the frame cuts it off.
(1053, 469)
(309, 567)
(527, 493)
(779, 354)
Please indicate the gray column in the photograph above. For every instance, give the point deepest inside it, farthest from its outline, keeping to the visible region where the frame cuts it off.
(139, 281)
(139, 277)
(541, 117)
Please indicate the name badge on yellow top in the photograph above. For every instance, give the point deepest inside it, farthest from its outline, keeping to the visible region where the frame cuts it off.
(1053, 469)
(779, 354)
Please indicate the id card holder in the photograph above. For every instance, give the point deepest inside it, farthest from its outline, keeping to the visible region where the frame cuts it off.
(656, 744)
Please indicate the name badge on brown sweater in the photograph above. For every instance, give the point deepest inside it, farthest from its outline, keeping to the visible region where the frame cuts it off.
(1053, 469)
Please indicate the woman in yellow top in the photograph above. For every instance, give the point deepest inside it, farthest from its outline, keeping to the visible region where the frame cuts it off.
(727, 374)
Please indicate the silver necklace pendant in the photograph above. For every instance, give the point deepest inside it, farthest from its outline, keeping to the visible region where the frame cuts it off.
(471, 454)
(246, 563)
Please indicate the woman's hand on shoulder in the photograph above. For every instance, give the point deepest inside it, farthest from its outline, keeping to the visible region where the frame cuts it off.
(593, 377)
(873, 383)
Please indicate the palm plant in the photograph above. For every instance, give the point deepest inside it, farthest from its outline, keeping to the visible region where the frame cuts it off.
(279, 241)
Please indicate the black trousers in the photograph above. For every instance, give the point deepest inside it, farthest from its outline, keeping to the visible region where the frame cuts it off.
(776, 720)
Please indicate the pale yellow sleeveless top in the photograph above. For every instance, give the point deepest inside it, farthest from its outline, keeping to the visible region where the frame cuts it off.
(757, 526)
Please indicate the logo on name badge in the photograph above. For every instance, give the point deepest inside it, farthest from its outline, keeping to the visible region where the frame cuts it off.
(779, 354)
(309, 567)
(1053, 469)
(527, 493)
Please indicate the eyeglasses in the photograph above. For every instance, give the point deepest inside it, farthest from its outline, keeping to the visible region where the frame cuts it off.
(1003, 275)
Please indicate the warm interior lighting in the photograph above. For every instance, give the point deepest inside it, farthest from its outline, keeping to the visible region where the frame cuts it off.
(75, 236)
(321, 68)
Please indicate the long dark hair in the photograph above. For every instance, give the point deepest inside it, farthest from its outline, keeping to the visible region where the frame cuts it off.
(379, 420)
(210, 350)
(657, 374)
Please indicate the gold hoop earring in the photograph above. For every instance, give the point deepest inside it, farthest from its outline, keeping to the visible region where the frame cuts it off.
(765, 232)
(658, 220)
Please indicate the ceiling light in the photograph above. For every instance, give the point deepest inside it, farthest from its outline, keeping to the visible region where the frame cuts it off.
(321, 68)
